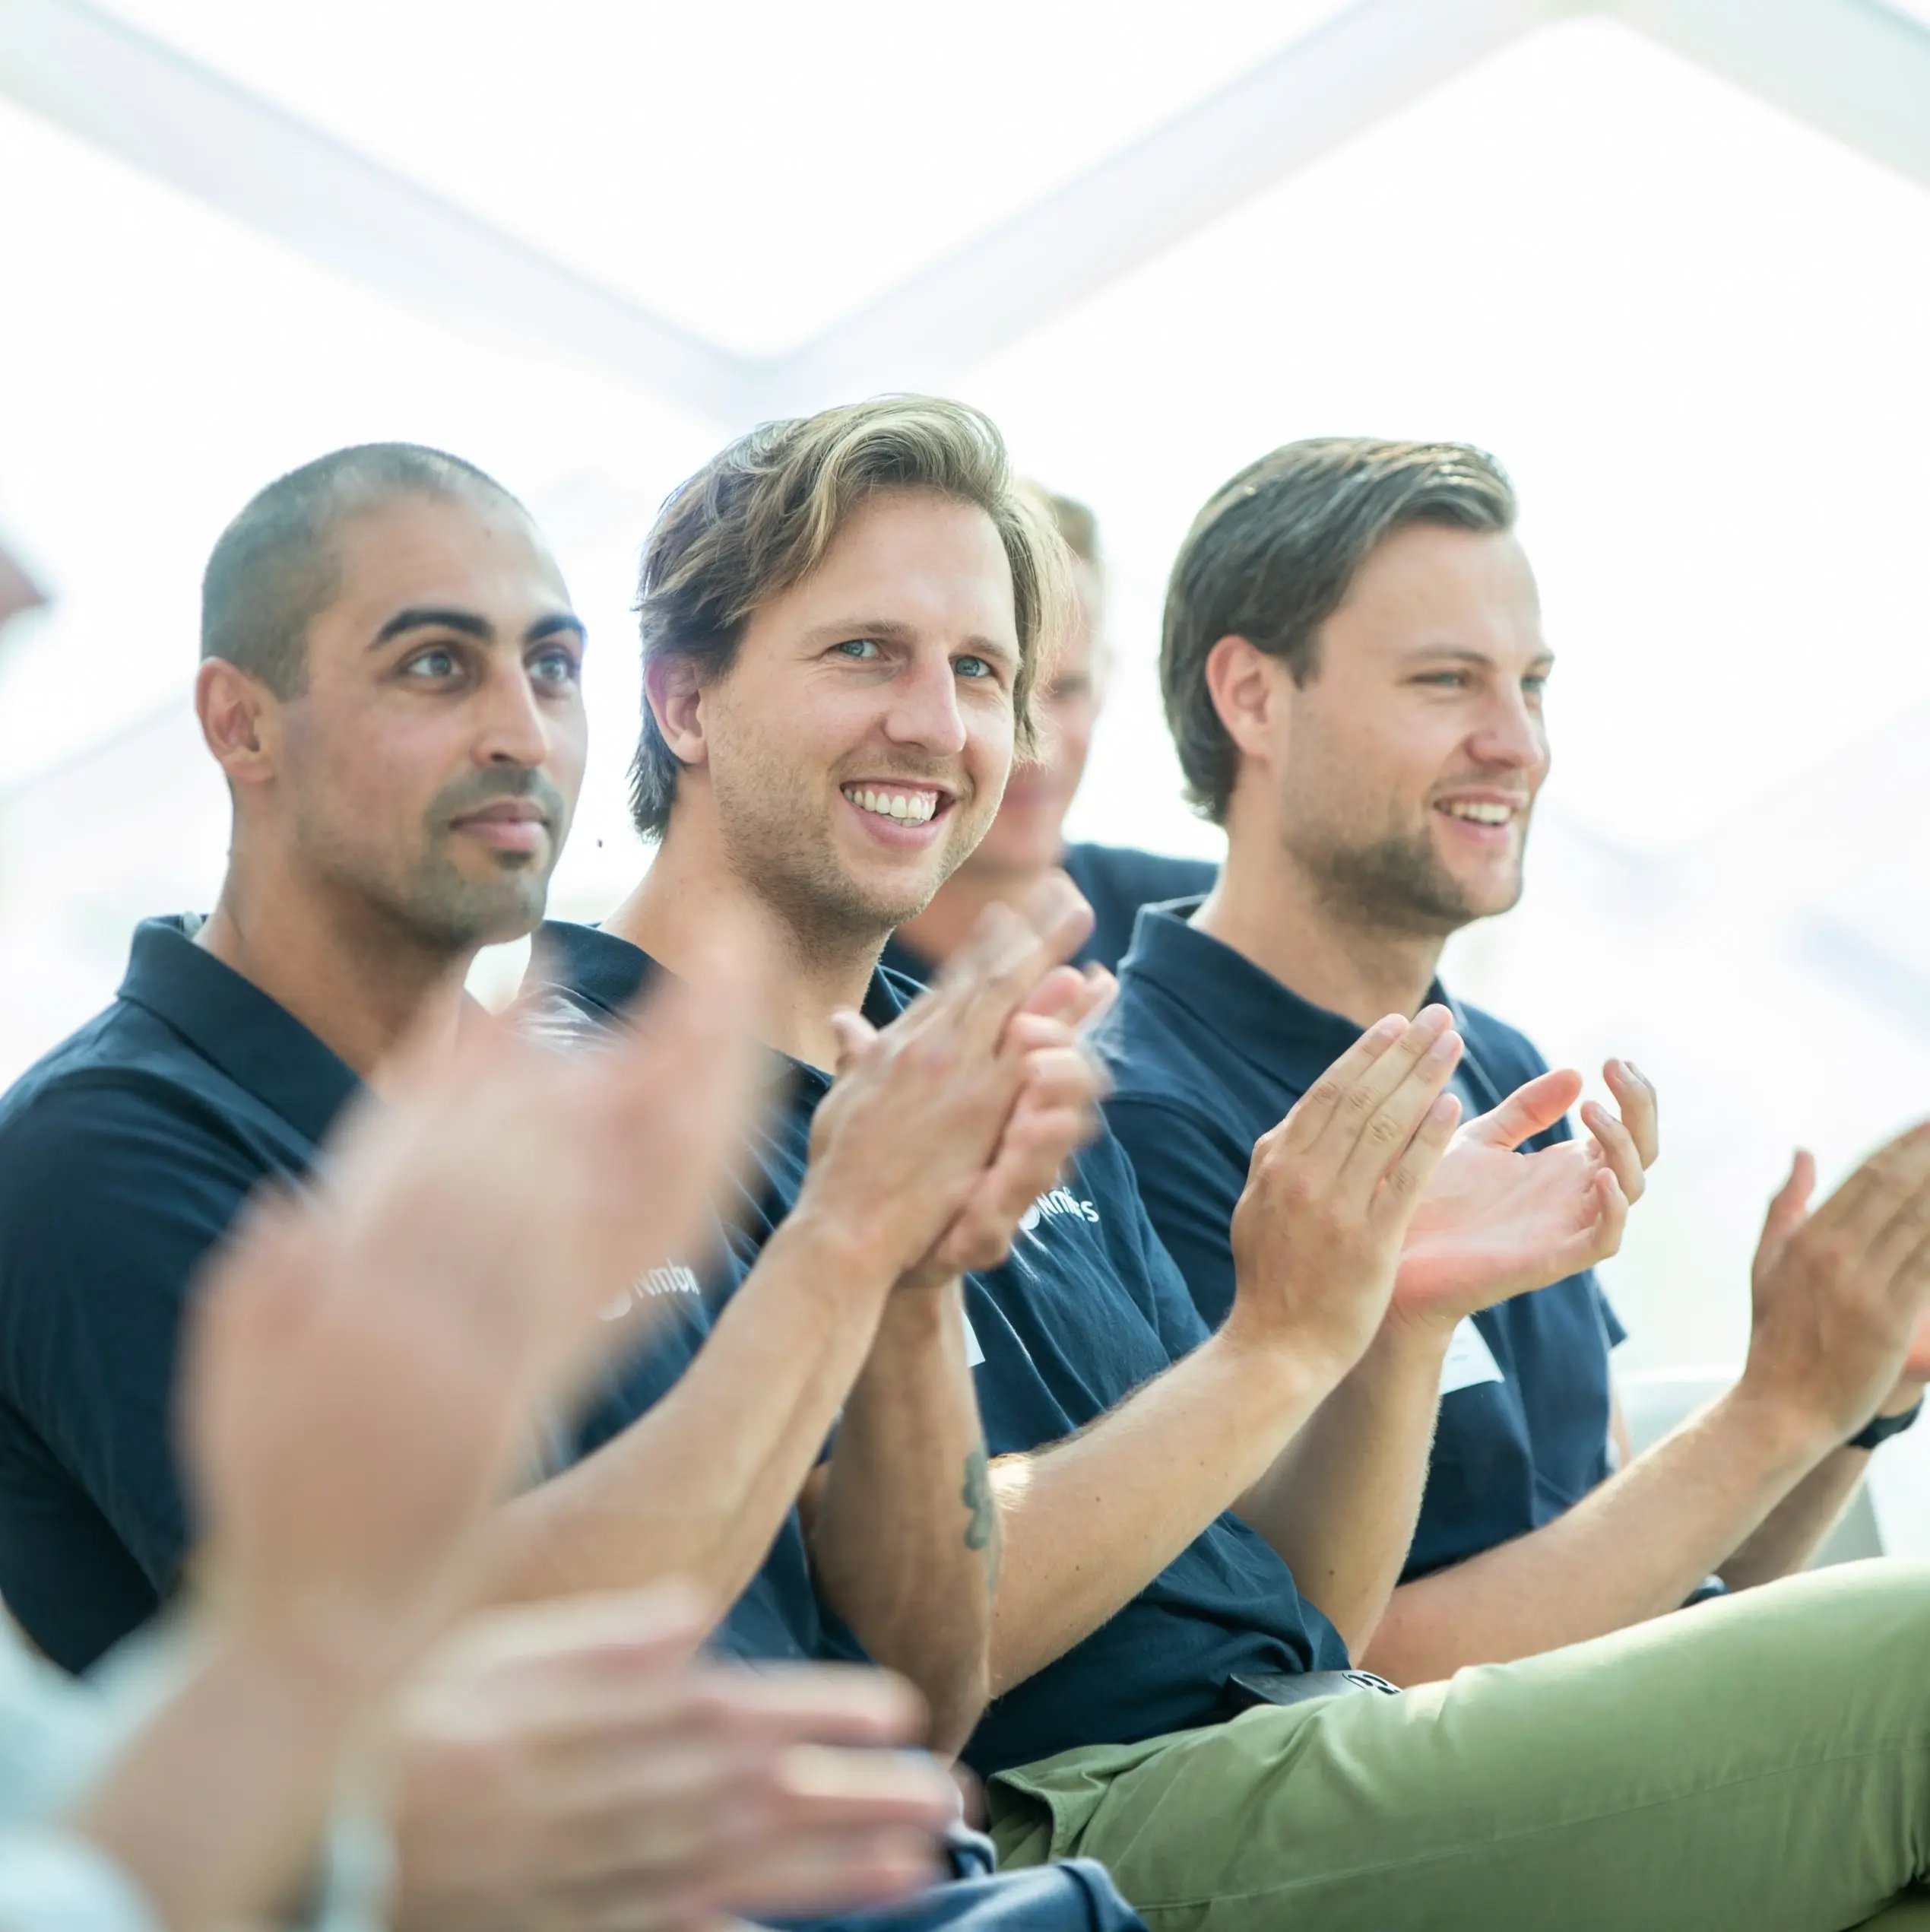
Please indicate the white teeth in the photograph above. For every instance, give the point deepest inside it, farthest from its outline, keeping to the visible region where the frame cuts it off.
(1481, 812)
(908, 807)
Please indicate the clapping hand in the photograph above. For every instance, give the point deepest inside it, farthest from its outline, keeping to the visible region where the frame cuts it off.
(1497, 1223)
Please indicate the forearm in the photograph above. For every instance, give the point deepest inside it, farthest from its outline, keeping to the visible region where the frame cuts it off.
(1795, 1529)
(698, 1487)
(215, 1809)
(1090, 1522)
(1339, 1505)
(904, 1538)
(1633, 1548)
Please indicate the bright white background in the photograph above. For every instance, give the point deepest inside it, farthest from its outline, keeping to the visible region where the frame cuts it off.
(1694, 328)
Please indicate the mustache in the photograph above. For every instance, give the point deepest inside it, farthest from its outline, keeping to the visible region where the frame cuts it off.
(474, 790)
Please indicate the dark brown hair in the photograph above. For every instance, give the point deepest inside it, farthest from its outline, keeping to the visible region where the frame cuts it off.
(1274, 554)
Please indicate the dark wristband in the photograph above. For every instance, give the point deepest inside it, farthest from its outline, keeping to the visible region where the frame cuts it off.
(1882, 1428)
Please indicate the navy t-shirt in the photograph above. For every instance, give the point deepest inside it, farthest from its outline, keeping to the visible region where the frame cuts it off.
(1116, 881)
(1089, 1307)
(125, 1155)
(1208, 1051)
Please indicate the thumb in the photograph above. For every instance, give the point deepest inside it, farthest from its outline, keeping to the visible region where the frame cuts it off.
(854, 1035)
(1788, 1210)
(1530, 1109)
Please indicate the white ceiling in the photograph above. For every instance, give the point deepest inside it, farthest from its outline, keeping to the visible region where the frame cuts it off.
(752, 173)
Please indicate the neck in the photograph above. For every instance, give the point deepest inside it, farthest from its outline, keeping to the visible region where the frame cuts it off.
(1265, 907)
(358, 982)
(692, 893)
(938, 932)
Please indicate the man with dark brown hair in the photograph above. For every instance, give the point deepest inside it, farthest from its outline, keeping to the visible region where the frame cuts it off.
(1354, 670)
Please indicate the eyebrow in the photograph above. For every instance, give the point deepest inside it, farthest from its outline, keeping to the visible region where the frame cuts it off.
(1461, 654)
(438, 617)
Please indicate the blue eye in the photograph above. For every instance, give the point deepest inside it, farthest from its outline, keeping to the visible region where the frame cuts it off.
(973, 667)
(1537, 685)
(437, 663)
(555, 666)
(862, 649)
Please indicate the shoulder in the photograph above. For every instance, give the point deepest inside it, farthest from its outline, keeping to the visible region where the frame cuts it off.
(116, 1160)
(1146, 877)
(1147, 1043)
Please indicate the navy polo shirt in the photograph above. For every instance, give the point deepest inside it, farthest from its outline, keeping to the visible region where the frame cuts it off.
(1116, 881)
(1208, 1051)
(125, 1155)
(1089, 1307)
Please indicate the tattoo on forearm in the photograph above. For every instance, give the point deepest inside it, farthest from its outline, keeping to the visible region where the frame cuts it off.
(981, 1532)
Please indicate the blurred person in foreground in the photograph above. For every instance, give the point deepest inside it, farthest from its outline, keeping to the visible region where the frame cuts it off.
(390, 685)
(1027, 840)
(365, 1366)
(835, 618)
(1354, 671)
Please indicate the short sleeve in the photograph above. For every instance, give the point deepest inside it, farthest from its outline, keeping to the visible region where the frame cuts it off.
(1611, 1325)
(1191, 1172)
(111, 1198)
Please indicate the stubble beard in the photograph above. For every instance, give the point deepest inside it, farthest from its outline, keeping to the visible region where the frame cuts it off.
(426, 902)
(1396, 884)
(776, 843)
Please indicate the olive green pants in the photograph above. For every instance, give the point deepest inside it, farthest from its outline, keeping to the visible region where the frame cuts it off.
(1760, 1763)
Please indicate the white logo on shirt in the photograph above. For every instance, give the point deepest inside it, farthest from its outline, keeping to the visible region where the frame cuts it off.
(1050, 1206)
(673, 1278)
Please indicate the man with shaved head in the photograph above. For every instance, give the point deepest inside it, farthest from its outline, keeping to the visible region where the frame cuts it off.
(391, 684)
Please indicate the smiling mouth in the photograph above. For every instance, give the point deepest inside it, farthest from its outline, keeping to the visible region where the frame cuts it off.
(1479, 811)
(915, 804)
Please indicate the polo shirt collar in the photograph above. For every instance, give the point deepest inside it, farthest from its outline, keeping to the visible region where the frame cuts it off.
(610, 973)
(1283, 1034)
(232, 1023)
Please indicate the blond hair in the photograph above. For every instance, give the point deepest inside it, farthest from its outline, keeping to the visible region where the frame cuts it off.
(760, 516)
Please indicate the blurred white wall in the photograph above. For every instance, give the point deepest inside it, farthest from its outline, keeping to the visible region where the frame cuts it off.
(1694, 328)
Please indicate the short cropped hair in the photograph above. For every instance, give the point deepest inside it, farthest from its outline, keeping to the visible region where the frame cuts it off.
(1078, 528)
(275, 567)
(760, 516)
(1274, 554)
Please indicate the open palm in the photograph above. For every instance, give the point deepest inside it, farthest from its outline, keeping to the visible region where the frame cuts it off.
(1498, 1222)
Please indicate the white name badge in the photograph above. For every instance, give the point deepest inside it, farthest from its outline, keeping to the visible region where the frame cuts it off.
(1469, 1361)
(973, 1353)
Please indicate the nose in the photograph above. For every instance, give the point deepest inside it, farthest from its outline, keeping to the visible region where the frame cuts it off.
(1512, 735)
(923, 711)
(515, 731)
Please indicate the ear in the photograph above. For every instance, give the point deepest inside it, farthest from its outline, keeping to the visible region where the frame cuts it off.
(1247, 688)
(240, 722)
(675, 694)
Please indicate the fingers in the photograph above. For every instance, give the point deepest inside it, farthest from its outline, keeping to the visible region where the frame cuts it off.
(1375, 1124)
(1636, 1096)
(1308, 1119)
(623, 1634)
(1530, 1109)
(1078, 999)
(1006, 955)
(854, 1035)
(1378, 1083)
(1407, 1180)
(1604, 1238)
(1789, 1208)
(1037, 1148)
(1618, 1147)
(1865, 1204)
